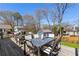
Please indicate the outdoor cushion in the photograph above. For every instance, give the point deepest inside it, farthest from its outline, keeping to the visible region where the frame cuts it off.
(51, 35)
(36, 36)
(28, 37)
(29, 44)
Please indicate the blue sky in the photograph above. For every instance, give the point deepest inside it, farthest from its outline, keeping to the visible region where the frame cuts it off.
(71, 14)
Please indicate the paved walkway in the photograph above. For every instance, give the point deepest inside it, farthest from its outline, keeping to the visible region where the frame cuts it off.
(67, 51)
(9, 48)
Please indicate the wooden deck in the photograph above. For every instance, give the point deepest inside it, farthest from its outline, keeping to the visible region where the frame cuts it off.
(9, 48)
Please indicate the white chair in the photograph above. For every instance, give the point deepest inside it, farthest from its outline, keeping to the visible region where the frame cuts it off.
(36, 36)
(28, 37)
(29, 44)
(51, 35)
(42, 36)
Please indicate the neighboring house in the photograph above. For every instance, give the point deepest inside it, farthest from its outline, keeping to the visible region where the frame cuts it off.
(18, 29)
(45, 33)
(5, 28)
(71, 30)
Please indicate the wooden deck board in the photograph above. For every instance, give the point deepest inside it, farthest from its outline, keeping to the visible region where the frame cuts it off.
(9, 48)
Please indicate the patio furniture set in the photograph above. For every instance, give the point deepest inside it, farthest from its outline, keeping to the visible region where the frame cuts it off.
(47, 45)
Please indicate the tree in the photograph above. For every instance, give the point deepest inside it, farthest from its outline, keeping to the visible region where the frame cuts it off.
(30, 23)
(53, 16)
(6, 17)
(9, 22)
(42, 14)
(17, 18)
(39, 17)
(45, 14)
(55, 31)
(61, 8)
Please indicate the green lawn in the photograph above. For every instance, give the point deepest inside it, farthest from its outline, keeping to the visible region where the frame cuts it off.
(70, 44)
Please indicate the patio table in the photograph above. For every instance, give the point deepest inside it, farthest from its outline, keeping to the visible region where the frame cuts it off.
(38, 43)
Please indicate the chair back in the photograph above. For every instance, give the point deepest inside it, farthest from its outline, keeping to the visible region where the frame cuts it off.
(28, 39)
(29, 44)
(36, 36)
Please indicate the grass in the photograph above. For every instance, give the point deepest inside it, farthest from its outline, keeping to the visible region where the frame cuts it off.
(73, 45)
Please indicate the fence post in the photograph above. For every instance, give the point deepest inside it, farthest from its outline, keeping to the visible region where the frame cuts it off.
(76, 52)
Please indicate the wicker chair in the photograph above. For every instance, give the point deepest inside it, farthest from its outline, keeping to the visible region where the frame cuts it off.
(32, 49)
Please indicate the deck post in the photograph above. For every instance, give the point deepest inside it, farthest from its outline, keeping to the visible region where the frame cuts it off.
(1, 33)
(76, 52)
(24, 47)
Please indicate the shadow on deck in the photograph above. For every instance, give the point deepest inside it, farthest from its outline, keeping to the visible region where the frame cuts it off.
(9, 48)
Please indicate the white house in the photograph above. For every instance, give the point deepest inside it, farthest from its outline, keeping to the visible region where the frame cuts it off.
(18, 29)
(5, 28)
(45, 33)
(72, 30)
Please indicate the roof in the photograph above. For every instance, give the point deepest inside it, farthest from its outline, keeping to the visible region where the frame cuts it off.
(18, 26)
(5, 27)
(71, 29)
(44, 31)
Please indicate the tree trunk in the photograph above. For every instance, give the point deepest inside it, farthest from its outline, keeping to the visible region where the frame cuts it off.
(16, 22)
(34, 28)
(22, 22)
(39, 25)
(48, 23)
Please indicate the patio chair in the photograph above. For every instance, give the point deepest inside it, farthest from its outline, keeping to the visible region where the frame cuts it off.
(53, 48)
(21, 37)
(32, 49)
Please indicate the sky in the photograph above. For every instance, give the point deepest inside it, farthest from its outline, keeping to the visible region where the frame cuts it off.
(71, 15)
